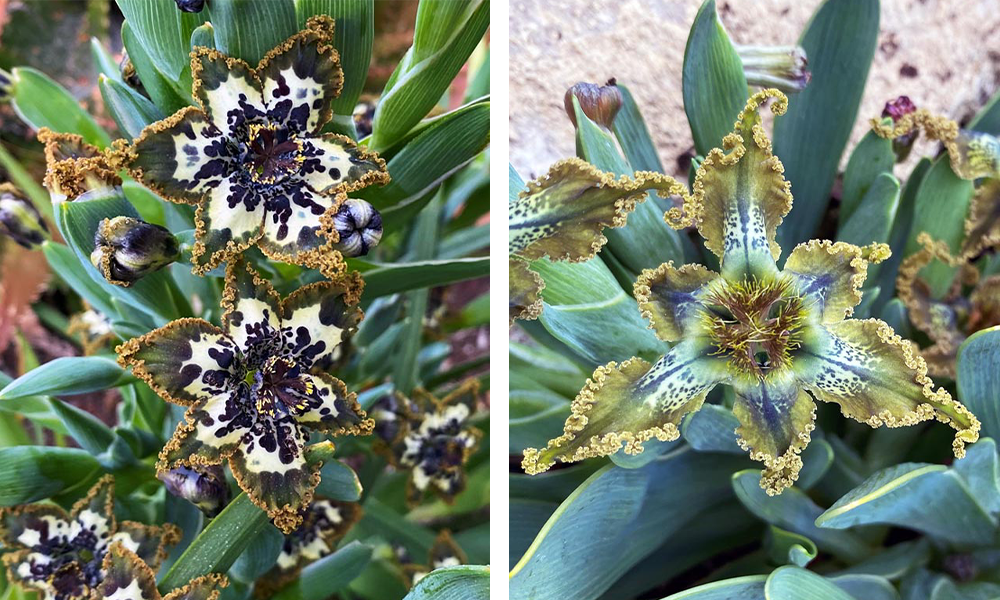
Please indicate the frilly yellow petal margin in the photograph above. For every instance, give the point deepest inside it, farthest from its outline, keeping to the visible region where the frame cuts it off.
(982, 225)
(667, 296)
(612, 426)
(562, 214)
(915, 294)
(846, 263)
(525, 301)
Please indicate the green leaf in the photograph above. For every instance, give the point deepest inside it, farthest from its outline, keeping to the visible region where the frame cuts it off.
(218, 545)
(895, 561)
(130, 110)
(339, 482)
(163, 31)
(259, 556)
(871, 221)
(41, 102)
(872, 157)
(446, 33)
(714, 86)
(977, 379)
(353, 33)
(204, 36)
(104, 62)
(32, 473)
(444, 145)
(467, 582)
(66, 376)
(329, 574)
(785, 547)
(169, 93)
(633, 135)
(712, 429)
(794, 583)
(247, 29)
(988, 118)
(809, 139)
(750, 587)
(383, 279)
(900, 234)
(87, 430)
(67, 266)
(536, 416)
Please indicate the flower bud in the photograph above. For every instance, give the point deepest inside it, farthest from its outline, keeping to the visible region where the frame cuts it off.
(600, 103)
(782, 67)
(359, 226)
(129, 74)
(364, 114)
(6, 85)
(205, 487)
(896, 110)
(191, 6)
(19, 219)
(127, 249)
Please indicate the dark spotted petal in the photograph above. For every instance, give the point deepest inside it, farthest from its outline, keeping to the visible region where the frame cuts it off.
(148, 542)
(252, 315)
(206, 587)
(126, 576)
(181, 158)
(334, 163)
(329, 407)
(96, 510)
(209, 434)
(185, 361)
(229, 220)
(271, 468)
(445, 552)
(324, 524)
(227, 90)
(294, 221)
(30, 525)
(317, 318)
(302, 76)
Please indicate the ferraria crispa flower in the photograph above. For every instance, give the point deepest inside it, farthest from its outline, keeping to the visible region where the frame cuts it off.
(324, 523)
(127, 577)
(253, 157)
(63, 556)
(19, 219)
(252, 388)
(780, 339)
(443, 553)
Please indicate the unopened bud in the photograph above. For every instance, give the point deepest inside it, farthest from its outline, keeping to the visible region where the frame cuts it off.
(191, 6)
(129, 74)
(19, 219)
(6, 85)
(127, 249)
(782, 67)
(600, 103)
(205, 487)
(896, 110)
(359, 226)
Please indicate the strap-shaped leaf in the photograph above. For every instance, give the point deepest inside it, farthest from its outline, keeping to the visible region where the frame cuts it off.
(66, 376)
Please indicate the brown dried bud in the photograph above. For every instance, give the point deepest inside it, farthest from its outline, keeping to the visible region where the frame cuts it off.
(600, 103)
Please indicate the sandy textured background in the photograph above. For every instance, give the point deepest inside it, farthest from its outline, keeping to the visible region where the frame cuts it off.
(944, 54)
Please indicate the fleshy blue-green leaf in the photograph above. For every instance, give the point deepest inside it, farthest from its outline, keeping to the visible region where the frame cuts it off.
(259, 556)
(900, 235)
(978, 380)
(750, 587)
(247, 29)
(872, 157)
(66, 376)
(164, 32)
(794, 583)
(383, 279)
(872, 219)
(171, 93)
(633, 135)
(41, 102)
(33, 473)
(339, 482)
(467, 582)
(329, 574)
(130, 110)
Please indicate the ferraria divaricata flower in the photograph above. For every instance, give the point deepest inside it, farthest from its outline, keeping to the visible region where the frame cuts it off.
(202, 485)
(433, 440)
(358, 226)
(128, 577)
(253, 157)
(63, 556)
(443, 553)
(600, 103)
(19, 219)
(128, 249)
(780, 339)
(252, 390)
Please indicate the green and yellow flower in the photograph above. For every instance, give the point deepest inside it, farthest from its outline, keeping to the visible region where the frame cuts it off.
(255, 387)
(780, 339)
(127, 577)
(64, 556)
(253, 157)
(443, 553)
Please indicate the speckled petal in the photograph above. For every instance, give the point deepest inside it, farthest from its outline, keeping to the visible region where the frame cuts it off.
(775, 417)
(209, 434)
(562, 215)
(185, 361)
(740, 196)
(148, 542)
(228, 91)
(876, 378)
(325, 523)
(127, 577)
(27, 526)
(526, 287)
(252, 316)
(228, 221)
(182, 157)
(334, 163)
(332, 409)
(830, 275)
(317, 318)
(295, 222)
(628, 404)
(302, 76)
(270, 467)
(670, 297)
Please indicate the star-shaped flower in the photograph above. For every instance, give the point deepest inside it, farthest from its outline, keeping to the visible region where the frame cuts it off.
(127, 577)
(253, 387)
(253, 157)
(63, 556)
(444, 553)
(780, 339)
(436, 441)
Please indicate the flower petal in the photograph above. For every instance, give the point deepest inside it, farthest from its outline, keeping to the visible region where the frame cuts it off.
(562, 214)
(775, 417)
(297, 219)
(127, 577)
(935, 317)
(228, 221)
(445, 552)
(740, 195)
(96, 510)
(228, 91)
(206, 587)
(982, 225)
(831, 274)
(148, 542)
(325, 523)
(332, 409)
(669, 297)
(181, 158)
(525, 291)
(31, 524)
(876, 378)
(631, 403)
(317, 318)
(271, 468)
(302, 76)
(252, 312)
(185, 361)
(209, 434)
(334, 163)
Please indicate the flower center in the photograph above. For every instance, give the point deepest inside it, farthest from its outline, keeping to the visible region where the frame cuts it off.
(755, 324)
(272, 153)
(279, 387)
